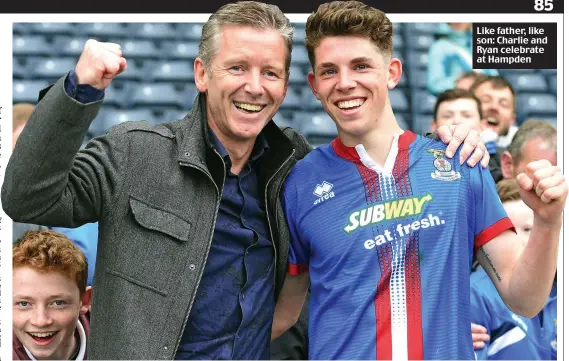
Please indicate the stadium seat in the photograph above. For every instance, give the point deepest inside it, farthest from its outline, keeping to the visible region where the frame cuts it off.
(137, 48)
(403, 83)
(398, 42)
(283, 121)
(309, 101)
(424, 103)
(418, 78)
(111, 118)
(27, 90)
(421, 124)
(398, 100)
(135, 71)
(180, 50)
(398, 28)
(528, 82)
(421, 28)
(18, 70)
(299, 56)
(31, 45)
(417, 59)
(117, 95)
(318, 129)
(291, 101)
(101, 31)
(536, 104)
(172, 114)
(550, 120)
(161, 95)
(419, 42)
(53, 28)
(174, 71)
(192, 31)
(553, 83)
(297, 76)
(152, 30)
(52, 68)
(401, 121)
(20, 28)
(69, 45)
(299, 34)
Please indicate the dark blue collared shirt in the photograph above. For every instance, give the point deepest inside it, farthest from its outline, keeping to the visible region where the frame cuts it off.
(233, 310)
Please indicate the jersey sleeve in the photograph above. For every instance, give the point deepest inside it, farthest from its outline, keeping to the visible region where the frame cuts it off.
(490, 218)
(299, 252)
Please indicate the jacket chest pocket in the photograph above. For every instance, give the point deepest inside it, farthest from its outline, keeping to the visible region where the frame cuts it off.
(153, 218)
(153, 248)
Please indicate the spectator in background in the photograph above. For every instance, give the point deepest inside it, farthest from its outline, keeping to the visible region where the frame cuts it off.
(459, 106)
(450, 56)
(535, 139)
(512, 337)
(498, 100)
(466, 80)
(50, 298)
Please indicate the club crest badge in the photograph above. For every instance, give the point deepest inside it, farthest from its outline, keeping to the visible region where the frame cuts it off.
(443, 167)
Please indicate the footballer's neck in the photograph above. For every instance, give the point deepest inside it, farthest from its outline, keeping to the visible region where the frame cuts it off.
(376, 141)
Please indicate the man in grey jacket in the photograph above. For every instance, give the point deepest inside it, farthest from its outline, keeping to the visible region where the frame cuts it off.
(193, 243)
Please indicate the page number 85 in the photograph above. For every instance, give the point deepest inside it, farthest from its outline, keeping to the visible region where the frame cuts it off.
(541, 5)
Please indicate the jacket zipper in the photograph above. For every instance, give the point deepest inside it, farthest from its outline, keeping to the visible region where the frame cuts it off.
(207, 253)
(269, 219)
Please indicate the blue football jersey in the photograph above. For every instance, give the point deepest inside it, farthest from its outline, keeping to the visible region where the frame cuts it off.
(512, 337)
(389, 249)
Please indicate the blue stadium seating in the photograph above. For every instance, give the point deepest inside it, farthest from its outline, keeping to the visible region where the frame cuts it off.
(291, 101)
(52, 68)
(318, 128)
(173, 71)
(152, 30)
(31, 45)
(297, 76)
(192, 31)
(422, 28)
(27, 90)
(158, 83)
(101, 31)
(553, 83)
(69, 45)
(111, 118)
(180, 50)
(527, 82)
(18, 70)
(420, 42)
(283, 121)
(309, 101)
(536, 105)
(53, 28)
(423, 102)
(161, 95)
(138, 48)
(299, 33)
(299, 56)
(398, 100)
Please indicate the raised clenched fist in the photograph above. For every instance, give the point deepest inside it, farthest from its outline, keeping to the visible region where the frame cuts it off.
(99, 64)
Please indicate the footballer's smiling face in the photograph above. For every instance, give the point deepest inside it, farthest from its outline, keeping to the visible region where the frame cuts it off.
(351, 79)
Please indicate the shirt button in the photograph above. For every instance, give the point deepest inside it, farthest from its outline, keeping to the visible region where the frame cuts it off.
(192, 267)
(242, 296)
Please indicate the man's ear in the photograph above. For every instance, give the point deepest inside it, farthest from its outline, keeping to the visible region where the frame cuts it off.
(201, 77)
(395, 71)
(507, 165)
(86, 301)
(312, 83)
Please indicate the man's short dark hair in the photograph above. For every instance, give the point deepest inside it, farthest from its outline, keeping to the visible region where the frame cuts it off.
(529, 130)
(497, 82)
(454, 94)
